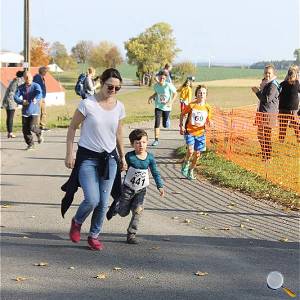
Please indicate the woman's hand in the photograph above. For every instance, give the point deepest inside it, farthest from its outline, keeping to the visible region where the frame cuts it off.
(255, 89)
(150, 100)
(69, 161)
(123, 164)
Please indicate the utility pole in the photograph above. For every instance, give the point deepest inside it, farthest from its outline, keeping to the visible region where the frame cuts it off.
(26, 63)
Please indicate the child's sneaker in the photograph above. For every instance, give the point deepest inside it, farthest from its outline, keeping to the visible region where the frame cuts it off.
(191, 175)
(185, 169)
(155, 143)
(75, 231)
(94, 244)
(131, 239)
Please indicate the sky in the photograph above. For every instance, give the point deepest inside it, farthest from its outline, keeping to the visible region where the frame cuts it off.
(222, 31)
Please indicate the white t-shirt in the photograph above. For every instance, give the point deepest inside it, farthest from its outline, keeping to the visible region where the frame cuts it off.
(99, 128)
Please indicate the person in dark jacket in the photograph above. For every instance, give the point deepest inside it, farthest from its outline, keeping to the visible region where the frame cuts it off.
(29, 95)
(289, 104)
(40, 79)
(9, 103)
(267, 111)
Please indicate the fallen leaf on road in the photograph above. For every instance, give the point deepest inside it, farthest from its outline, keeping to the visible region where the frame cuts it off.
(166, 239)
(25, 237)
(140, 277)
(176, 193)
(19, 278)
(72, 268)
(225, 228)
(174, 218)
(187, 221)
(249, 228)
(32, 217)
(247, 220)
(232, 204)
(100, 276)
(6, 206)
(204, 228)
(42, 264)
(117, 268)
(284, 240)
(198, 273)
(154, 248)
(202, 213)
(242, 225)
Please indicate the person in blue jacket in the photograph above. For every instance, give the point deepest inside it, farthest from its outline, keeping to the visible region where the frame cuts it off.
(29, 95)
(40, 79)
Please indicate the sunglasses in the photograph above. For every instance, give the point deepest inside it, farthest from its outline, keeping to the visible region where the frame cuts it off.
(110, 87)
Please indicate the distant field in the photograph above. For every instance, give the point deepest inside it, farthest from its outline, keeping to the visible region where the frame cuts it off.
(208, 74)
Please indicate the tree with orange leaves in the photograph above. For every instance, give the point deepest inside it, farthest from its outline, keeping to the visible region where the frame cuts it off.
(39, 52)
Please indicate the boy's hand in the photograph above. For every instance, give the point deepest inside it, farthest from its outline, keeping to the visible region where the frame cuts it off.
(182, 129)
(161, 192)
(150, 100)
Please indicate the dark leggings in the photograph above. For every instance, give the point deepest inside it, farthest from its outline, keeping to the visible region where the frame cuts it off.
(165, 116)
(10, 120)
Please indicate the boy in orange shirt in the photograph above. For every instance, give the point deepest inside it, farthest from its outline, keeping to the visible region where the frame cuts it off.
(199, 114)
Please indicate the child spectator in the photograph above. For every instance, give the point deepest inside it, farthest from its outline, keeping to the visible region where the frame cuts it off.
(199, 114)
(136, 182)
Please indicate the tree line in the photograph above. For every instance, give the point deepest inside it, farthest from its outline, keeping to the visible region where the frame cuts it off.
(148, 51)
(279, 64)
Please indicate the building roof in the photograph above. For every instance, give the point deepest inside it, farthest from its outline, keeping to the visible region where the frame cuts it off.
(10, 57)
(52, 85)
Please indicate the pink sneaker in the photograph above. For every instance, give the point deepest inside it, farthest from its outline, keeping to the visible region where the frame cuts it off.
(94, 244)
(75, 232)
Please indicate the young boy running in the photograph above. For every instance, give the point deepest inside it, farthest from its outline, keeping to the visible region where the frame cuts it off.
(199, 114)
(136, 182)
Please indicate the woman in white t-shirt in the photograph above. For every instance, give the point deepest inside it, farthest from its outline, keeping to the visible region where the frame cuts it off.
(96, 162)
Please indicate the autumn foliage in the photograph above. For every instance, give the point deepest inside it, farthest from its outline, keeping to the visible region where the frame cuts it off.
(39, 52)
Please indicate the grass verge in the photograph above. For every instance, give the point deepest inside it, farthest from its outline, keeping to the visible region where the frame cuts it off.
(225, 173)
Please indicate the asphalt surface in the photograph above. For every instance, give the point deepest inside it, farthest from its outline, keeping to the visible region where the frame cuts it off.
(236, 240)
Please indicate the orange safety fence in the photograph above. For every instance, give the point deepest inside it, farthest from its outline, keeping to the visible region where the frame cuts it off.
(265, 144)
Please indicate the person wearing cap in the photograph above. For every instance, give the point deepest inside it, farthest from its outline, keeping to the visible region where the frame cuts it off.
(40, 79)
(9, 104)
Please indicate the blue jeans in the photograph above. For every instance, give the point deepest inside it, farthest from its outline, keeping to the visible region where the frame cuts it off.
(96, 192)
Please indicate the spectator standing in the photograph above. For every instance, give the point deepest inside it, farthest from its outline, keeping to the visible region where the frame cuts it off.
(29, 95)
(89, 84)
(268, 95)
(289, 103)
(40, 79)
(9, 103)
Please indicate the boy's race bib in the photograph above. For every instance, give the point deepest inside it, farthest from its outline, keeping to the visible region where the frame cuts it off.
(198, 117)
(163, 98)
(137, 179)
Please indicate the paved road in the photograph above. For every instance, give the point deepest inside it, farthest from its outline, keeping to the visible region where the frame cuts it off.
(232, 237)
